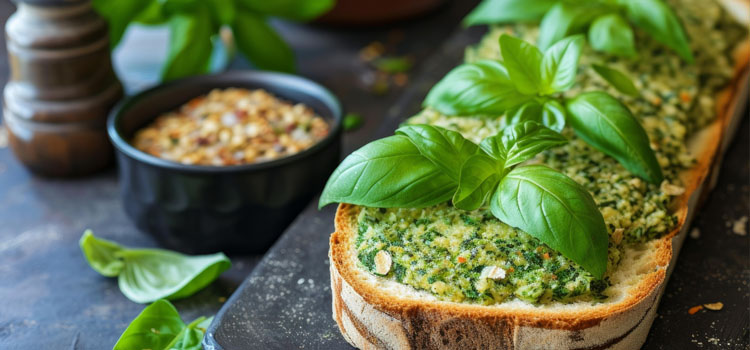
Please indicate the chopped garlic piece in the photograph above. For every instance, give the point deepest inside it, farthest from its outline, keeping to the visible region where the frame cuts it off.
(714, 306)
(492, 272)
(383, 262)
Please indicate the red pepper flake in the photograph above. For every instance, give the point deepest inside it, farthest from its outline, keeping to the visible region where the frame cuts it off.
(695, 309)
(685, 97)
(546, 256)
(510, 269)
(461, 260)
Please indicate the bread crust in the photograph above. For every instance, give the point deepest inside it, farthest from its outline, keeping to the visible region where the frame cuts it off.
(371, 318)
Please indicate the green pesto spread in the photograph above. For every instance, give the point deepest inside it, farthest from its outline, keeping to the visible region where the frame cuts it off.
(444, 250)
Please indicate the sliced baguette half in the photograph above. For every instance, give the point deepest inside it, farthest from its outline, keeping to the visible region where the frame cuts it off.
(378, 313)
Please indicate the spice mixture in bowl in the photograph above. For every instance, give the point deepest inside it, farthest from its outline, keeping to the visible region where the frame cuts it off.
(230, 127)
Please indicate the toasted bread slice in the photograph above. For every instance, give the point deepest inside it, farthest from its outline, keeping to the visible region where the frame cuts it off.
(378, 313)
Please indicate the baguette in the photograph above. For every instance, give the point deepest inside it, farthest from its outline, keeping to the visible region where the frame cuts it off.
(378, 313)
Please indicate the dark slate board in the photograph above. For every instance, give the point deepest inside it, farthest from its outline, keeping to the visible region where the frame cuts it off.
(286, 302)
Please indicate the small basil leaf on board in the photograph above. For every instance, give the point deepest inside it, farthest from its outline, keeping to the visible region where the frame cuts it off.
(521, 142)
(191, 337)
(190, 45)
(560, 64)
(612, 34)
(152, 274)
(617, 79)
(606, 124)
(102, 255)
(445, 148)
(555, 209)
(657, 19)
(260, 43)
(503, 11)
(550, 114)
(154, 328)
(388, 173)
(483, 87)
(479, 177)
(523, 62)
(145, 275)
(298, 10)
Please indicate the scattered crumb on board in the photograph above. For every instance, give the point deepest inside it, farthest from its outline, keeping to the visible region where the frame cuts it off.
(740, 226)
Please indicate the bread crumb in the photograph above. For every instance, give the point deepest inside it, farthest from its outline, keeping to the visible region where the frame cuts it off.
(671, 190)
(695, 233)
(383, 262)
(714, 306)
(492, 272)
(617, 235)
(740, 226)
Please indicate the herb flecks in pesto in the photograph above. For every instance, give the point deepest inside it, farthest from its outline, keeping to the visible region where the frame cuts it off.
(443, 250)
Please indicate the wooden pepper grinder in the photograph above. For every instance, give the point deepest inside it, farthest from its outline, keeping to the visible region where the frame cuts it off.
(61, 87)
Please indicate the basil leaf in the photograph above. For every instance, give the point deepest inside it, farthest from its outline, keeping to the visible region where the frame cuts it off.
(523, 62)
(101, 255)
(298, 10)
(154, 328)
(260, 43)
(657, 19)
(388, 173)
(222, 11)
(445, 148)
(189, 45)
(612, 34)
(605, 123)
(482, 87)
(480, 175)
(119, 14)
(551, 114)
(568, 18)
(152, 15)
(521, 142)
(191, 337)
(145, 275)
(555, 209)
(617, 79)
(504, 11)
(560, 64)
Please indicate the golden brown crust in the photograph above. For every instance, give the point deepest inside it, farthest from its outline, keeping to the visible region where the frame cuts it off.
(424, 323)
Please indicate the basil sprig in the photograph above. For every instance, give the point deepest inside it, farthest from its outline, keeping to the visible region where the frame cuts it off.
(425, 165)
(146, 275)
(527, 85)
(608, 22)
(159, 327)
(194, 26)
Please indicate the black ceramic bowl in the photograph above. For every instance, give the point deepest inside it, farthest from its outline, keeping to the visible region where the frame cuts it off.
(236, 209)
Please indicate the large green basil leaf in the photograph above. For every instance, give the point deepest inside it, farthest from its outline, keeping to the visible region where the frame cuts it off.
(617, 79)
(605, 123)
(119, 14)
(145, 275)
(446, 148)
(191, 337)
(560, 64)
(555, 209)
(298, 10)
(152, 274)
(482, 87)
(551, 114)
(102, 255)
(656, 18)
(521, 142)
(190, 45)
(504, 11)
(567, 18)
(260, 43)
(523, 62)
(154, 328)
(388, 173)
(480, 175)
(611, 33)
